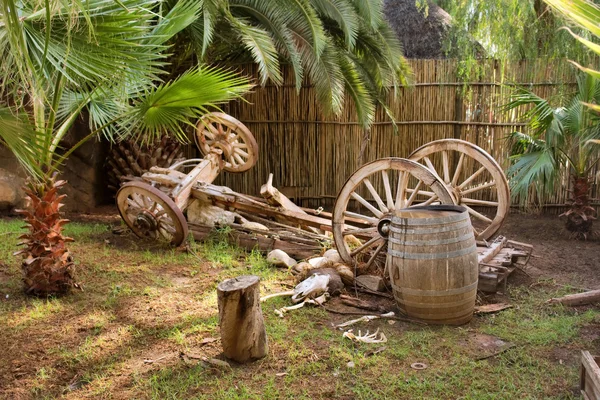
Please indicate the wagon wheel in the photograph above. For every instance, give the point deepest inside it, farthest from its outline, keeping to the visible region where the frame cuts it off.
(473, 178)
(150, 213)
(236, 142)
(390, 184)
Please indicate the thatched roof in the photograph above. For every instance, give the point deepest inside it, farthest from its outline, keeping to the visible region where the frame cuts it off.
(422, 37)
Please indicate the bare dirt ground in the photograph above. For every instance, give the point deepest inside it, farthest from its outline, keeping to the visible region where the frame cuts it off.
(556, 255)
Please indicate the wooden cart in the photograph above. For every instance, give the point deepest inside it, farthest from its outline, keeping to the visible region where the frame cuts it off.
(447, 171)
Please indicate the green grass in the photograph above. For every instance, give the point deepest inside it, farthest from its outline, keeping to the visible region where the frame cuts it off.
(155, 304)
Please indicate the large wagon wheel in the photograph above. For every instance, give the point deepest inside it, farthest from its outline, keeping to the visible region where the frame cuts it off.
(390, 184)
(150, 213)
(469, 172)
(236, 142)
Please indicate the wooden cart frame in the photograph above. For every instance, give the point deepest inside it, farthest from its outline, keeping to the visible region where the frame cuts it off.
(447, 171)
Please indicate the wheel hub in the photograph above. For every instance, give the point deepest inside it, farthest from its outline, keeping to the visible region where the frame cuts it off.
(222, 143)
(146, 221)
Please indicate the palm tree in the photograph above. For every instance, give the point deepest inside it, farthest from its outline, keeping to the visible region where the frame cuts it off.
(339, 45)
(105, 57)
(560, 140)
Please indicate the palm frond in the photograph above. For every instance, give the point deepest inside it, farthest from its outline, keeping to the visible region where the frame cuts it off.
(326, 76)
(371, 10)
(260, 44)
(19, 135)
(363, 102)
(343, 14)
(179, 17)
(170, 106)
(271, 17)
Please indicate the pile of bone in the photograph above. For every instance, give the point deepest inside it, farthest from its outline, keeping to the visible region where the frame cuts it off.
(318, 279)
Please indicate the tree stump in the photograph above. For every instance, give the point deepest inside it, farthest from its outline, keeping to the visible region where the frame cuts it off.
(243, 334)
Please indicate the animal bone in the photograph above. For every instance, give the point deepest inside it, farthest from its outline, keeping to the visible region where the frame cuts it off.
(366, 318)
(366, 338)
(317, 301)
(311, 287)
(280, 294)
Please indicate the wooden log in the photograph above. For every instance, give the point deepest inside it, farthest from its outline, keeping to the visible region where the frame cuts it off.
(243, 333)
(364, 304)
(578, 299)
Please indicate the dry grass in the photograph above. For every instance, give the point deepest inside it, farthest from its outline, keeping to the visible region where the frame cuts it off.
(123, 336)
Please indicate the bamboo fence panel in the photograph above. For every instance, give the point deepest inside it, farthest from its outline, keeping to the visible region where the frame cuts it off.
(311, 155)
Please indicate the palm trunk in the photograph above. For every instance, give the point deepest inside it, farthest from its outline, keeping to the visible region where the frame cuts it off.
(581, 215)
(47, 264)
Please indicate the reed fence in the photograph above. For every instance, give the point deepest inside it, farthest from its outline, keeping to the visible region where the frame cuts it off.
(311, 155)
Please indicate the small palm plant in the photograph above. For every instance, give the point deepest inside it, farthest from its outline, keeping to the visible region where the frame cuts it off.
(559, 140)
(60, 58)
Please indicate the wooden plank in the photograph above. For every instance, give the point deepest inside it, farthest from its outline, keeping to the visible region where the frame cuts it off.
(206, 171)
(590, 376)
(492, 250)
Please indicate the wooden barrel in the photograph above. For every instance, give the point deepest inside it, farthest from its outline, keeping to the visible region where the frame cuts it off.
(433, 265)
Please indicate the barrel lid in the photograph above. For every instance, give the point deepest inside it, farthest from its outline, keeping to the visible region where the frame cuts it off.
(434, 211)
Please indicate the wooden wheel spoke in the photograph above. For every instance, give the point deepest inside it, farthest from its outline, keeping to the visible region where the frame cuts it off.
(241, 152)
(369, 243)
(132, 204)
(431, 167)
(421, 192)
(472, 177)
(375, 254)
(368, 205)
(429, 201)
(458, 169)
(401, 190)
(165, 234)
(388, 189)
(478, 215)
(370, 220)
(446, 166)
(208, 132)
(477, 188)
(479, 202)
(240, 145)
(238, 158)
(414, 194)
(375, 195)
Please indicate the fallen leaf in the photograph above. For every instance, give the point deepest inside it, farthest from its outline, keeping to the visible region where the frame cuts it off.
(208, 340)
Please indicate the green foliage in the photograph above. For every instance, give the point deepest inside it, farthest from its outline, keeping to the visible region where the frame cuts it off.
(586, 15)
(557, 140)
(339, 45)
(506, 29)
(107, 58)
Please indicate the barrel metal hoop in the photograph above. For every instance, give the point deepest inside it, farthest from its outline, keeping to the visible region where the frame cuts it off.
(418, 304)
(404, 229)
(430, 221)
(432, 256)
(462, 238)
(433, 318)
(434, 293)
